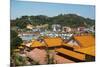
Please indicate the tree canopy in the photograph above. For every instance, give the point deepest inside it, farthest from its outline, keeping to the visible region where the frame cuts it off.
(15, 40)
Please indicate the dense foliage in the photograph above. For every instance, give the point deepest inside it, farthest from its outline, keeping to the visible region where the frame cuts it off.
(71, 20)
(15, 40)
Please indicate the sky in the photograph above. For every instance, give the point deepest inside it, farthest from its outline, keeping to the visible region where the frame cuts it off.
(21, 8)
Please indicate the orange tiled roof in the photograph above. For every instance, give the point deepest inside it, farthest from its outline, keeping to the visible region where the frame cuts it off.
(53, 41)
(88, 50)
(69, 45)
(73, 46)
(36, 44)
(71, 53)
(85, 40)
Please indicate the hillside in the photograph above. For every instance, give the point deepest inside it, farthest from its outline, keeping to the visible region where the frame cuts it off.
(71, 20)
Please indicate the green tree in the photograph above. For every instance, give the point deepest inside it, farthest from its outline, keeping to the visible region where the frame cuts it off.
(19, 60)
(15, 40)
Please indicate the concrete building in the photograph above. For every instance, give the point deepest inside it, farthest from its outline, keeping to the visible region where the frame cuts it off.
(56, 27)
(66, 29)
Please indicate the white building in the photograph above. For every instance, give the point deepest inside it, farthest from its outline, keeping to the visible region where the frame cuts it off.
(81, 29)
(66, 29)
(29, 26)
(92, 29)
(56, 27)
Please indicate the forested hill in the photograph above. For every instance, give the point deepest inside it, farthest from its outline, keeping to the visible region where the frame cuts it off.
(71, 20)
